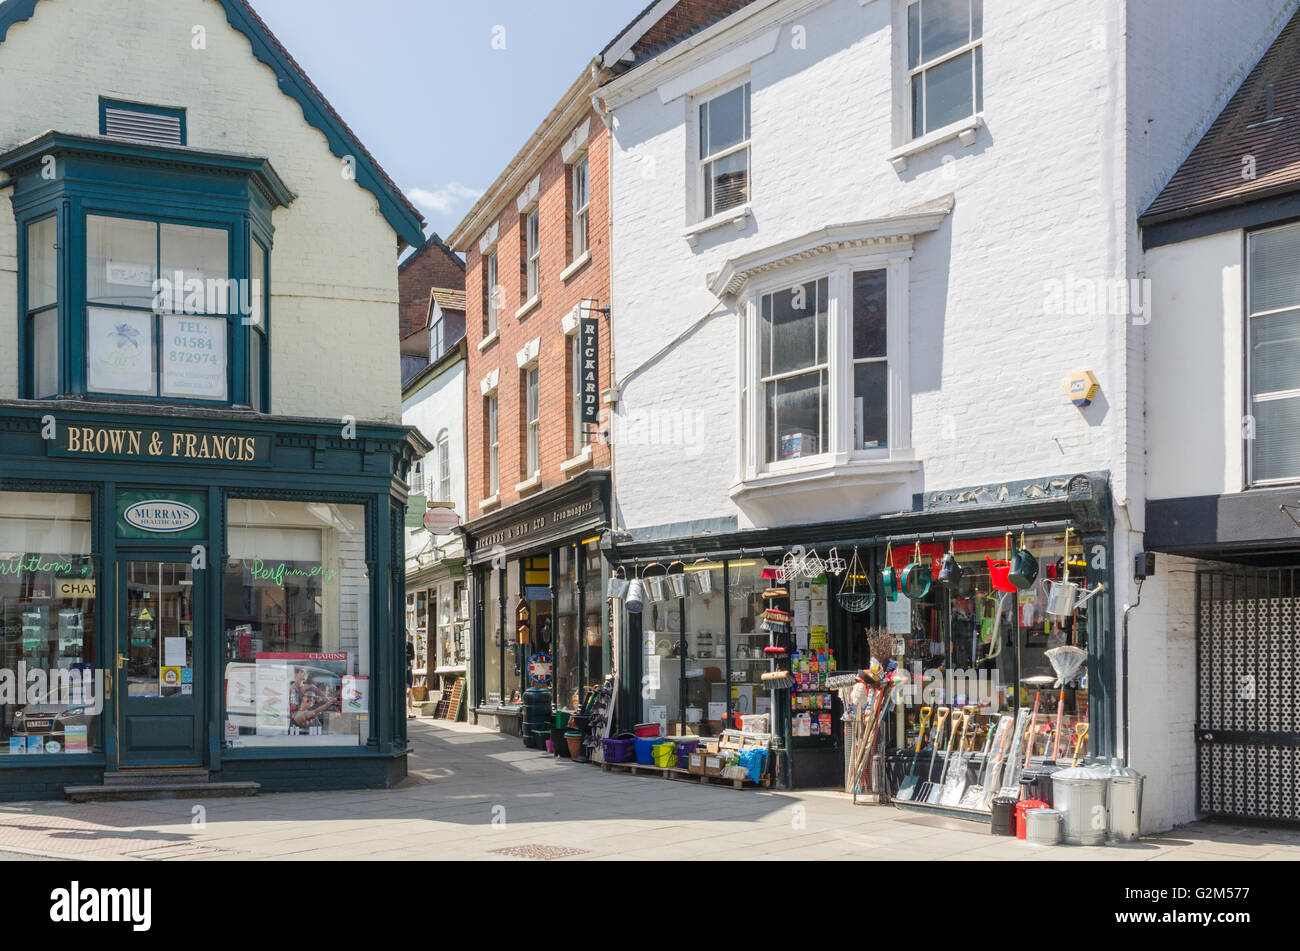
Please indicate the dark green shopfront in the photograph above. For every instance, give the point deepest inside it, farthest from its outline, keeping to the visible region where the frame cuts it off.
(210, 589)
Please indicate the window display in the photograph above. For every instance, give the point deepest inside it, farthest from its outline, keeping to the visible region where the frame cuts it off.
(297, 624)
(49, 699)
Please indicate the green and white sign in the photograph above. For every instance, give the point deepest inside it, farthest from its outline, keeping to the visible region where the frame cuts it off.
(161, 515)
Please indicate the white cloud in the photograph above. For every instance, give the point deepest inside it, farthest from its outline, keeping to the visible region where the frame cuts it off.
(444, 200)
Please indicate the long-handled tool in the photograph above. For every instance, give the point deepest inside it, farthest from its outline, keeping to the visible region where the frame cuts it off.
(1038, 682)
(1080, 735)
(974, 795)
(993, 768)
(936, 789)
(908, 787)
(955, 784)
(1066, 662)
(940, 718)
(1011, 771)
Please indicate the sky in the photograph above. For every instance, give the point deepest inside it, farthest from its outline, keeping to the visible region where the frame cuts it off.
(423, 86)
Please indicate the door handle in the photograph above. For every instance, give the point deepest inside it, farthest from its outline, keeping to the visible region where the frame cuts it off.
(121, 661)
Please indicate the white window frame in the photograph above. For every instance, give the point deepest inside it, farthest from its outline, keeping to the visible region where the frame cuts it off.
(766, 380)
(532, 254)
(1250, 395)
(491, 412)
(839, 448)
(702, 163)
(581, 209)
(493, 293)
(917, 73)
(443, 471)
(532, 422)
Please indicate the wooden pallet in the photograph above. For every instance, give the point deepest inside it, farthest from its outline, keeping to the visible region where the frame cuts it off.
(681, 775)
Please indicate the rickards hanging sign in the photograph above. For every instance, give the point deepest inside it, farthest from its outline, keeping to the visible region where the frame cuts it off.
(162, 445)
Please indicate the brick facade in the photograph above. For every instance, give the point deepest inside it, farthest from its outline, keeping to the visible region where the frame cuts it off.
(558, 296)
(433, 265)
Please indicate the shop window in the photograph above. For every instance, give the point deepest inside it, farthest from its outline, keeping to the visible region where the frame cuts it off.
(494, 654)
(945, 62)
(297, 625)
(453, 625)
(724, 150)
(1274, 358)
(48, 587)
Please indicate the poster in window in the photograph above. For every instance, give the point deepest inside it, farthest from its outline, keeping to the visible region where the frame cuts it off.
(119, 352)
(272, 699)
(194, 357)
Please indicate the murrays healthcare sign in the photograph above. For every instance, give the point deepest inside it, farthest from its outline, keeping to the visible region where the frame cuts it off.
(159, 515)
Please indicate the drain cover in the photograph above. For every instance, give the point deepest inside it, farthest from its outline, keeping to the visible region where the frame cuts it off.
(539, 852)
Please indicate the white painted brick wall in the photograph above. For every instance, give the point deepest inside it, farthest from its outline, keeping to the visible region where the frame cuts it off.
(334, 344)
(1041, 196)
(437, 406)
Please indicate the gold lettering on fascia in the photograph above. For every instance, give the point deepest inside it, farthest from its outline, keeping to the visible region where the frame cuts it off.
(105, 441)
(528, 527)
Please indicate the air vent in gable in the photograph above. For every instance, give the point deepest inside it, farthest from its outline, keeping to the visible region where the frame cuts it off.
(140, 126)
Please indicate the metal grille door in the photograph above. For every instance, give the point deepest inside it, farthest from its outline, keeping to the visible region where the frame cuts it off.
(1248, 683)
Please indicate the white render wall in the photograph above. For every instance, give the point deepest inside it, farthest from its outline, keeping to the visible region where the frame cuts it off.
(333, 320)
(436, 406)
(1195, 367)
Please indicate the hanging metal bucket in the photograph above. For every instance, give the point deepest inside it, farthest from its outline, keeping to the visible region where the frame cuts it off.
(618, 584)
(703, 580)
(677, 583)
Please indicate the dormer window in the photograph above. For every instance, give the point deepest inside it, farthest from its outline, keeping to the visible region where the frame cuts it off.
(146, 271)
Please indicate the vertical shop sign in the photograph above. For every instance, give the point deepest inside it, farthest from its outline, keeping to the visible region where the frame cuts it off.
(589, 340)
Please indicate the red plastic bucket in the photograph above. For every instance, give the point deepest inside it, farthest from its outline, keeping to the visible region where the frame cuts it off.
(646, 729)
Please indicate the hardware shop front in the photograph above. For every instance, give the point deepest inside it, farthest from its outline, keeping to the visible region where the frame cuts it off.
(963, 659)
(220, 592)
(540, 617)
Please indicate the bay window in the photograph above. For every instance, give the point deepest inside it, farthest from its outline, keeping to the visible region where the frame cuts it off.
(1273, 292)
(724, 150)
(144, 271)
(945, 62)
(819, 367)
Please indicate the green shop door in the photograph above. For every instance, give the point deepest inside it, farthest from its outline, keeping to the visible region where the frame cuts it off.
(160, 640)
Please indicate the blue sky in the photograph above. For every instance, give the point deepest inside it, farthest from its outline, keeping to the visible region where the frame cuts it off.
(421, 84)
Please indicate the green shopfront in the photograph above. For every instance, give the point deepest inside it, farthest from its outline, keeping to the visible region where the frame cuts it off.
(186, 581)
(169, 604)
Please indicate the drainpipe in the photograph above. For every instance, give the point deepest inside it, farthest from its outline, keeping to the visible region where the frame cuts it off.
(1124, 751)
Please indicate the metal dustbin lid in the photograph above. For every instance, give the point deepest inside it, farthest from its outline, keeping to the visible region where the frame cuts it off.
(1082, 776)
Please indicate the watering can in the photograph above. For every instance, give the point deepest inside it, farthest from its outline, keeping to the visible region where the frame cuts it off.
(1063, 597)
(949, 571)
(1024, 569)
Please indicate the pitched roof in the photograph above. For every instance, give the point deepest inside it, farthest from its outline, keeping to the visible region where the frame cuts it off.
(1214, 175)
(316, 109)
(433, 241)
(661, 26)
(448, 298)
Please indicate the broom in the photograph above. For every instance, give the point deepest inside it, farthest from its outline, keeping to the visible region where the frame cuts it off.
(1066, 662)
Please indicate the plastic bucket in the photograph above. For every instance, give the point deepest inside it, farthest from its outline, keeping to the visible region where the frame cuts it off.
(574, 740)
(557, 744)
(646, 729)
(644, 745)
(664, 754)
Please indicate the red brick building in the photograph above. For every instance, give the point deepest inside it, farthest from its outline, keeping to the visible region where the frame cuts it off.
(536, 249)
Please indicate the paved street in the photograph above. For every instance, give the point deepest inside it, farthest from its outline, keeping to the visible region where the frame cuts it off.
(474, 794)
